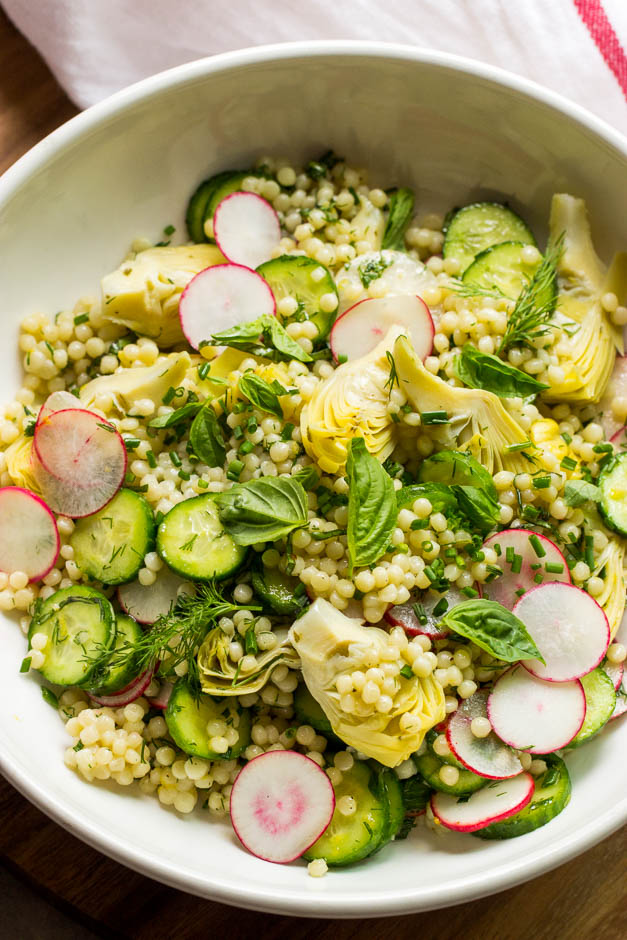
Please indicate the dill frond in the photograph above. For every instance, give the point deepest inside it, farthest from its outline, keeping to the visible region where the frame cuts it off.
(536, 304)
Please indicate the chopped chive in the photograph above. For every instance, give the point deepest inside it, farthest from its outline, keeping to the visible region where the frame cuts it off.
(131, 443)
(202, 484)
(419, 524)
(81, 318)
(49, 697)
(169, 395)
(234, 470)
(246, 447)
(589, 551)
(603, 448)
(537, 546)
(536, 567)
(169, 230)
(251, 424)
(184, 475)
(152, 460)
(470, 592)
(203, 371)
(401, 549)
(176, 460)
(498, 549)
(441, 607)
(238, 432)
(517, 564)
(553, 567)
(427, 546)
(566, 437)
(407, 672)
(568, 463)
(538, 577)
(434, 417)
(286, 433)
(342, 359)
(519, 592)
(420, 612)
(509, 554)
(25, 664)
(541, 483)
(512, 448)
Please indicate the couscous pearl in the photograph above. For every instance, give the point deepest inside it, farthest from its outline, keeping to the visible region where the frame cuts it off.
(449, 775)
(480, 727)
(617, 653)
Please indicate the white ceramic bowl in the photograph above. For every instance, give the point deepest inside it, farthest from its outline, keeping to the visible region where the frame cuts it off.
(455, 130)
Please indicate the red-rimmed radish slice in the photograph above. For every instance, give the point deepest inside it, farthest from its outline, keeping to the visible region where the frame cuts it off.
(29, 537)
(489, 756)
(493, 803)
(616, 388)
(533, 715)
(530, 554)
(360, 328)
(619, 440)
(147, 602)
(246, 229)
(79, 461)
(128, 694)
(406, 616)
(161, 699)
(615, 671)
(221, 297)
(281, 802)
(57, 401)
(569, 628)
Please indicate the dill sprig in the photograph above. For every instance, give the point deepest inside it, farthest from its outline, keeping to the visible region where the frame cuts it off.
(535, 306)
(475, 290)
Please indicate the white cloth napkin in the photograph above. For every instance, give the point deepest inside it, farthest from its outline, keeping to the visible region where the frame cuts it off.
(95, 47)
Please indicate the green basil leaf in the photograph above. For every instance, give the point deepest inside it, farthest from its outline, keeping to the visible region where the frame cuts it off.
(482, 370)
(242, 336)
(257, 335)
(260, 393)
(479, 507)
(283, 342)
(206, 438)
(453, 466)
(308, 476)
(263, 510)
(401, 210)
(185, 413)
(439, 495)
(372, 508)
(578, 492)
(493, 628)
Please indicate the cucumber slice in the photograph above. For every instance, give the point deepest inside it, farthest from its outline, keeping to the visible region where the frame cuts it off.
(479, 226)
(309, 712)
(110, 545)
(600, 703)
(551, 795)
(613, 485)
(282, 593)
(393, 793)
(429, 768)
(107, 679)
(348, 839)
(187, 717)
(192, 541)
(206, 197)
(307, 281)
(80, 625)
(501, 268)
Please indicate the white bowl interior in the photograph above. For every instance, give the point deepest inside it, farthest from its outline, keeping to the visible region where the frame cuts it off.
(455, 132)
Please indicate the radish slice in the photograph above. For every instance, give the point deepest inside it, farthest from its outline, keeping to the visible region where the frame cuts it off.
(569, 628)
(128, 694)
(406, 615)
(246, 229)
(360, 328)
(281, 802)
(146, 603)
(533, 715)
(29, 537)
(520, 544)
(619, 440)
(57, 401)
(80, 461)
(615, 671)
(221, 297)
(488, 756)
(163, 696)
(492, 803)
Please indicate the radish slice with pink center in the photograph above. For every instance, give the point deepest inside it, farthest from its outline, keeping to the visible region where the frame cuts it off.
(281, 802)
(533, 715)
(57, 401)
(493, 803)
(80, 461)
(29, 537)
(424, 603)
(488, 756)
(530, 553)
(147, 602)
(246, 229)
(362, 327)
(128, 694)
(222, 297)
(568, 627)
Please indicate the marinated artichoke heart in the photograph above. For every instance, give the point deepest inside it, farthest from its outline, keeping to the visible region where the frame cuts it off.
(382, 274)
(144, 292)
(477, 420)
(19, 464)
(587, 348)
(219, 675)
(331, 646)
(353, 402)
(609, 560)
(127, 386)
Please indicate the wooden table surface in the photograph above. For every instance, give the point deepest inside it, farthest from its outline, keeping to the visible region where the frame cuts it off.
(583, 899)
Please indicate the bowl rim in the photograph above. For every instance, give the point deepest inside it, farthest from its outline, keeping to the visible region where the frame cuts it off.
(470, 886)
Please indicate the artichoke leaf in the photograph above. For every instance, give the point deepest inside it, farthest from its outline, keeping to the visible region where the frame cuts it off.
(18, 456)
(331, 645)
(126, 386)
(610, 560)
(219, 675)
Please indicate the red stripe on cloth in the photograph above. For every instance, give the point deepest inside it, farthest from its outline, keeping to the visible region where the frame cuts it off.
(598, 25)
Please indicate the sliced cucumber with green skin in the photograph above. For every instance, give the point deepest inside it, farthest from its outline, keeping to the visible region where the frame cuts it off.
(298, 277)
(193, 543)
(613, 485)
(348, 839)
(309, 712)
(110, 545)
(107, 679)
(187, 716)
(479, 226)
(600, 704)
(429, 768)
(393, 793)
(501, 268)
(551, 795)
(206, 197)
(449, 758)
(80, 625)
(279, 591)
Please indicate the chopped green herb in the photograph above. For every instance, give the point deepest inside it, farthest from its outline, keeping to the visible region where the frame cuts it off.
(537, 546)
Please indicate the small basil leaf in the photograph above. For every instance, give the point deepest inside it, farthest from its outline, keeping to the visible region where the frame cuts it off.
(372, 508)
(578, 492)
(283, 342)
(241, 336)
(482, 370)
(452, 466)
(185, 413)
(206, 438)
(439, 495)
(308, 476)
(401, 210)
(257, 335)
(493, 628)
(263, 510)
(479, 507)
(260, 393)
